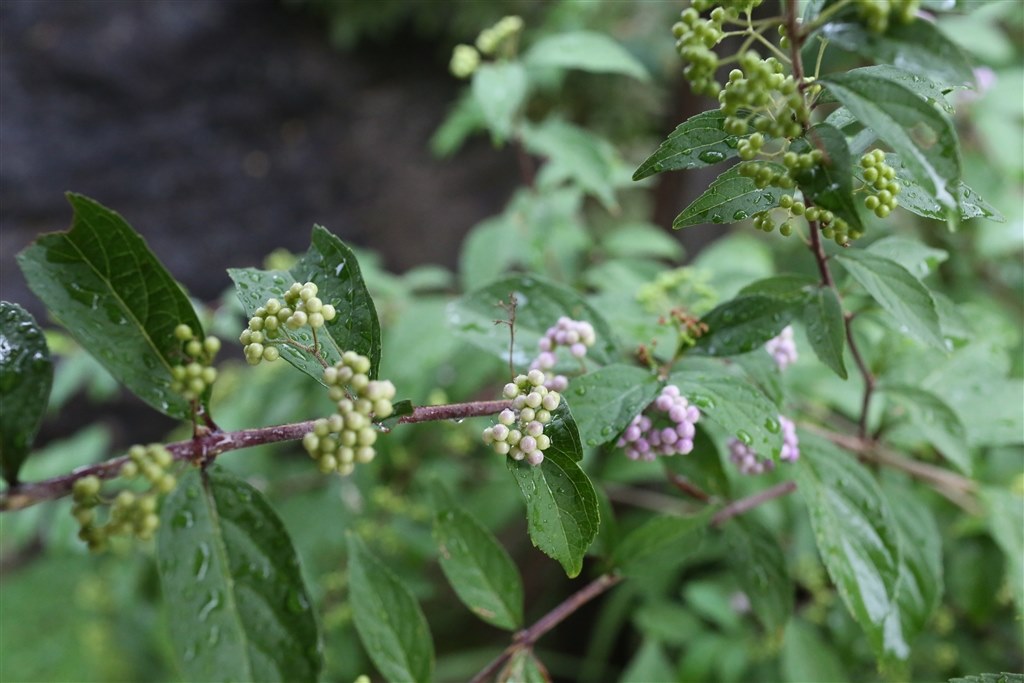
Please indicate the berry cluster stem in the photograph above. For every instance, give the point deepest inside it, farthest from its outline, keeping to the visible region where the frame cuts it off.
(817, 248)
(207, 445)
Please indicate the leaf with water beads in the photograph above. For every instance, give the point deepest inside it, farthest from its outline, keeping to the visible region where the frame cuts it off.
(115, 298)
(699, 141)
(237, 604)
(26, 375)
(731, 198)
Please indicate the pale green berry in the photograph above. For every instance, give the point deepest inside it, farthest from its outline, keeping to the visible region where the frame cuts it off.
(271, 353)
(272, 306)
(316, 320)
(365, 454)
(346, 455)
(245, 337)
(542, 416)
(160, 455)
(327, 463)
(86, 487)
(129, 470)
(510, 390)
(183, 332)
(311, 442)
(209, 375)
(527, 415)
(211, 345)
(543, 442)
(178, 372)
(383, 408)
(367, 436)
(329, 312)
(330, 376)
(321, 428)
(336, 393)
(314, 305)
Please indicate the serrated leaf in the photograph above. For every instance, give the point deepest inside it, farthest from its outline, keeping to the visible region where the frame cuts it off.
(915, 256)
(333, 267)
(604, 401)
(927, 89)
(390, 622)
(923, 136)
(586, 51)
(760, 565)
(936, 421)
(561, 507)
(499, 89)
(921, 584)
(540, 304)
(699, 141)
(916, 199)
(237, 605)
(731, 198)
(101, 281)
(822, 315)
(789, 286)
(897, 291)
(858, 540)
(830, 183)
(918, 47)
(477, 567)
(26, 375)
(732, 403)
(660, 542)
(745, 323)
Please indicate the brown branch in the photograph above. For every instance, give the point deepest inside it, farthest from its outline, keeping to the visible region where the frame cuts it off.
(207, 445)
(525, 639)
(743, 505)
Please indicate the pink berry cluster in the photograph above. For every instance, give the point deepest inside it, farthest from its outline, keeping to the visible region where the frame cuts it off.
(782, 348)
(577, 335)
(665, 427)
(749, 462)
(520, 429)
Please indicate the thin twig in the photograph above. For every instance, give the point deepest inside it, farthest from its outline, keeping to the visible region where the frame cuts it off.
(206, 445)
(743, 505)
(526, 638)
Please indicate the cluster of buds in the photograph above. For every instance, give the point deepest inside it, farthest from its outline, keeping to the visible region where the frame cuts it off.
(347, 437)
(301, 307)
(576, 335)
(520, 429)
(666, 427)
(500, 37)
(747, 461)
(131, 514)
(192, 377)
(880, 182)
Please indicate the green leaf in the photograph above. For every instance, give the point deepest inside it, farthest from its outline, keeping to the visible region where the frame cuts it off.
(923, 136)
(561, 507)
(101, 281)
(927, 89)
(540, 304)
(577, 154)
(332, 266)
(806, 656)
(604, 401)
(477, 567)
(564, 434)
(898, 292)
(918, 47)
(523, 667)
(789, 286)
(489, 249)
(935, 421)
(731, 402)
(390, 622)
(661, 542)
(586, 51)
(702, 466)
(731, 198)
(921, 584)
(699, 141)
(826, 330)
(915, 256)
(1003, 520)
(760, 565)
(744, 324)
(641, 240)
(26, 375)
(858, 539)
(236, 603)
(990, 678)
(463, 119)
(499, 89)
(916, 199)
(830, 183)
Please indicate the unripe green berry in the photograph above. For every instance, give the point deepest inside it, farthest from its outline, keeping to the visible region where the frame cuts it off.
(871, 202)
(183, 332)
(86, 487)
(211, 345)
(271, 353)
(316, 320)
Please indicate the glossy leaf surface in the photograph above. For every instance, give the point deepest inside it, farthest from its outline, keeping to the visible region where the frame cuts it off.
(826, 330)
(26, 375)
(237, 605)
(586, 51)
(729, 199)
(699, 141)
(604, 401)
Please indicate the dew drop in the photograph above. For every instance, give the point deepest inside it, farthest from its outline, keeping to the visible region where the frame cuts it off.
(711, 156)
(739, 215)
(744, 437)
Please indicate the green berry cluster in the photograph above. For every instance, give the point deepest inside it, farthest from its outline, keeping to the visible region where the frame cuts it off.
(876, 14)
(466, 58)
(880, 177)
(733, 7)
(760, 86)
(270, 321)
(695, 40)
(345, 438)
(520, 429)
(765, 175)
(192, 377)
(131, 514)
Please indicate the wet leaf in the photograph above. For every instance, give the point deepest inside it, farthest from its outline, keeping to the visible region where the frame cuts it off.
(699, 141)
(26, 375)
(731, 198)
(604, 401)
(826, 330)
